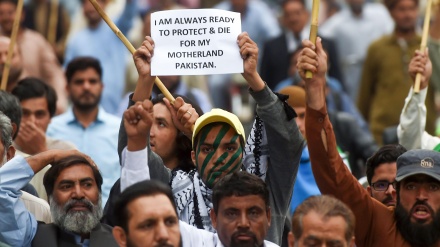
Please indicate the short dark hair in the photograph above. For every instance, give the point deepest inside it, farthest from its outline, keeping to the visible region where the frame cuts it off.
(183, 143)
(52, 174)
(386, 154)
(283, 4)
(324, 205)
(81, 64)
(29, 88)
(121, 214)
(239, 183)
(10, 106)
(14, 2)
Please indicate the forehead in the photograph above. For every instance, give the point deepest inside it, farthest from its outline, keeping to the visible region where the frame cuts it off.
(241, 202)
(210, 133)
(75, 173)
(385, 169)
(34, 103)
(88, 72)
(161, 111)
(150, 207)
(325, 228)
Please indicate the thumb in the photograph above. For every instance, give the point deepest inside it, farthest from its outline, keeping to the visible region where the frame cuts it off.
(319, 48)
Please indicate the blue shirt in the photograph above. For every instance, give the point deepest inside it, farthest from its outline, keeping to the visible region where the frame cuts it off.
(103, 44)
(17, 225)
(99, 141)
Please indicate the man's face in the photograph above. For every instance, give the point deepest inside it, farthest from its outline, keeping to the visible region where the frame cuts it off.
(295, 16)
(418, 210)
(7, 16)
(241, 220)
(163, 134)
(239, 5)
(90, 12)
(85, 89)
(405, 14)
(35, 110)
(385, 172)
(320, 231)
(153, 222)
(76, 202)
(218, 153)
(16, 63)
(301, 119)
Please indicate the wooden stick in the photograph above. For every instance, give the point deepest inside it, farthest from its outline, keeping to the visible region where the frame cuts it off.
(53, 21)
(424, 42)
(15, 27)
(313, 29)
(130, 47)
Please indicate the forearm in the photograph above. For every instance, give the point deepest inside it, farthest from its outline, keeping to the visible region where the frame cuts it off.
(134, 167)
(316, 94)
(144, 87)
(41, 160)
(412, 120)
(254, 80)
(17, 225)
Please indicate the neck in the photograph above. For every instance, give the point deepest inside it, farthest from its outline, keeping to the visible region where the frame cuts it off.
(86, 117)
(94, 24)
(407, 34)
(171, 163)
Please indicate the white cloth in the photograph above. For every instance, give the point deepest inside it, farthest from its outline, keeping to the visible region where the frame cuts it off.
(36, 206)
(411, 129)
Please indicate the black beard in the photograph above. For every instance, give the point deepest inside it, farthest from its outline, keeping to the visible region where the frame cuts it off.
(86, 107)
(237, 243)
(417, 234)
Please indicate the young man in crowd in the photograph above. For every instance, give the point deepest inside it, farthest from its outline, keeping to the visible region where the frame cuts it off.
(241, 215)
(218, 145)
(415, 220)
(86, 124)
(381, 173)
(322, 221)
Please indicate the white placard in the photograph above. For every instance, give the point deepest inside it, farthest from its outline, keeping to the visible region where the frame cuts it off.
(195, 42)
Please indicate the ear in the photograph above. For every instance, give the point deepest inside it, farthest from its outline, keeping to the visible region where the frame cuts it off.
(352, 242)
(291, 239)
(10, 153)
(369, 190)
(193, 157)
(14, 129)
(119, 235)
(268, 214)
(213, 218)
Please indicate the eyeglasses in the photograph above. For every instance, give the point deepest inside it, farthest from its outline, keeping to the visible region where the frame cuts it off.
(383, 185)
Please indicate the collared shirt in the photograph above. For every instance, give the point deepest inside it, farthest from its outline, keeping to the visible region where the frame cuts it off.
(104, 45)
(352, 36)
(99, 141)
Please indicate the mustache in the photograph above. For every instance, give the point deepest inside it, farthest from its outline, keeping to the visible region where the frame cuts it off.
(422, 203)
(72, 202)
(389, 198)
(87, 94)
(243, 232)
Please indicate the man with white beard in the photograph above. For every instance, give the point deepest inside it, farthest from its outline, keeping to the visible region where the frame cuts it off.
(73, 186)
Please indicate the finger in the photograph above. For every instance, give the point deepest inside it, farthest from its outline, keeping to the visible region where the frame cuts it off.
(319, 49)
(178, 102)
(308, 44)
(185, 112)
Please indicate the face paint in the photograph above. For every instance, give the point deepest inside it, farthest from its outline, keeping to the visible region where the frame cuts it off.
(211, 170)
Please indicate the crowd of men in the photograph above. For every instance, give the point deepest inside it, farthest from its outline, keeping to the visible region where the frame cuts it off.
(82, 164)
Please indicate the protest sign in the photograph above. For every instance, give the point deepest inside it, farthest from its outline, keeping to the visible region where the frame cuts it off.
(195, 42)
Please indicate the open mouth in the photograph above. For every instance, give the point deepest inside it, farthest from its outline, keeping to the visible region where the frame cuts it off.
(421, 212)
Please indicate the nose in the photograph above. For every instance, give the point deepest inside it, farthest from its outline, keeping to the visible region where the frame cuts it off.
(422, 193)
(220, 156)
(162, 233)
(78, 192)
(244, 221)
(390, 190)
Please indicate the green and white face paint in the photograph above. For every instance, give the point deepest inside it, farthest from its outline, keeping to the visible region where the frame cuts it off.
(218, 152)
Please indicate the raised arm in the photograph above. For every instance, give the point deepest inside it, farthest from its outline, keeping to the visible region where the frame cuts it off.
(275, 143)
(411, 129)
(17, 225)
(331, 174)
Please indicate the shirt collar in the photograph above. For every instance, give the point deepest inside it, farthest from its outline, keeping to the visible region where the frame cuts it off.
(71, 118)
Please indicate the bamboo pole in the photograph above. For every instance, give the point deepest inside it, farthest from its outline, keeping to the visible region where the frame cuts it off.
(130, 47)
(53, 19)
(424, 42)
(15, 27)
(313, 29)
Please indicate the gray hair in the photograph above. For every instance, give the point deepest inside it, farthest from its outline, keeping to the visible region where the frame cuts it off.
(6, 131)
